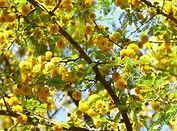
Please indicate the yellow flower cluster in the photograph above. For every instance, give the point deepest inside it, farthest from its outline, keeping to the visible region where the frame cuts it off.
(22, 119)
(57, 127)
(130, 51)
(25, 9)
(13, 102)
(119, 81)
(103, 43)
(95, 105)
(66, 5)
(76, 95)
(43, 94)
(7, 17)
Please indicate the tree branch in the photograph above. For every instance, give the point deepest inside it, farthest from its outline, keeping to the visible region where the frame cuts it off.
(35, 120)
(160, 11)
(99, 76)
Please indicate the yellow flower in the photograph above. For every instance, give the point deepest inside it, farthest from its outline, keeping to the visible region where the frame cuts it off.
(127, 53)
(10, 17)
(2, 38)
(2, 18)
(121, 84)
(92, 15)
(88, 2)
(140, 16)
(17, 108)
(24, 90)
(55, 60)
(2, 2)
(155, 105)
(60, 43)
(25, 9)
(22, 119)
(134, 47)
(88, 30)
(135, 3)
(57, 127)
(91, 112)
(48, 55)
(144, 39)
(76, 95)
(116, 76)
(24, 65)
(13, 101)
(53, 29)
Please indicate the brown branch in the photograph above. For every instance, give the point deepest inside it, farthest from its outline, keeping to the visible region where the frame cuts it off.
(99, 76)
(32, 120)
(5, 103)
(160, 11)
(56, 7)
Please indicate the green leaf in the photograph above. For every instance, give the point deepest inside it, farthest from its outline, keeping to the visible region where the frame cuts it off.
(20, 1)
(55, 81)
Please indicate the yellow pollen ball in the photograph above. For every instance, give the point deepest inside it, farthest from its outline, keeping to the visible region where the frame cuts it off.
(48, 55)
(25, 9)
(22, 119)
(2, 2)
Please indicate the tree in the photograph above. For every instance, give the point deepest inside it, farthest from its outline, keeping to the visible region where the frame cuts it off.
(110, 64)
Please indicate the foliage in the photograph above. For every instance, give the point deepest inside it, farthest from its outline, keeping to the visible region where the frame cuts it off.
(109, 64)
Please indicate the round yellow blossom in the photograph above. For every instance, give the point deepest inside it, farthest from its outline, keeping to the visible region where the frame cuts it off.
(127, 53)
(57, 127)
(134, 47)
(103, 110)
(140, 16)
(22, 119)
(121, 3)
(144, 39)
(43, 91)
(10, 17)
(14, 101)
(88, 2)
(48, 66)
(24, 65)
(48, 2)
(121, 84)
(24, 90)
(2, 38)
(17, 108)
(155, 105)
(97, 122)
(55, 60)
(88, 29)
(99, 104)
(105, 92)
(116, 76)
(53, 29)
(83, 106)
(76, 95)
(68, 7)
(91, 112)
(135, 3)
(2, 18)
(25, 9)
(60, 44)
(92, 15)
(48, 55)
(2, 2)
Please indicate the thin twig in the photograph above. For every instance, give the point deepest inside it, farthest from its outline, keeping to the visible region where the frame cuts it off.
(13, 127)
(56, 7)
